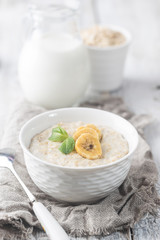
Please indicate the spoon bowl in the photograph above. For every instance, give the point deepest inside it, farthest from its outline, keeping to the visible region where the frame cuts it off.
(9, 153)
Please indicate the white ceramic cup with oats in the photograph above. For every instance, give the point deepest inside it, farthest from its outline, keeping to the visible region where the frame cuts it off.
(107, 56)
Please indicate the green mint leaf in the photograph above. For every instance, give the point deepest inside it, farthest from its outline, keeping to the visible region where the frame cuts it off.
(58, 135)
(67, 146)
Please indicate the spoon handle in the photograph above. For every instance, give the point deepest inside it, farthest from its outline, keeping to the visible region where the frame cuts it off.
(49, 223)
(29, 194)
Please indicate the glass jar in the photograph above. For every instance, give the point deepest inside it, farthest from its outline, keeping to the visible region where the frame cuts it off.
(54, 68)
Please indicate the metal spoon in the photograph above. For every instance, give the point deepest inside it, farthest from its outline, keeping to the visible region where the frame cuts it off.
(48, 222)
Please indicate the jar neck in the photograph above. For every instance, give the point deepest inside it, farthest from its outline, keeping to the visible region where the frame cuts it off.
(55, 19)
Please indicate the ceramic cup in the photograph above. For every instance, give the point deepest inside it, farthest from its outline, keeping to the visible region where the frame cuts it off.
(107, 64)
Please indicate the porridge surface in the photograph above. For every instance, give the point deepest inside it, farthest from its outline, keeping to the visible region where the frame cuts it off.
(114, 146)
(100, 36)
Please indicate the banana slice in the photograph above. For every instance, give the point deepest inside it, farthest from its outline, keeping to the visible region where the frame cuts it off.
(79, 132)
(88, 146)
(80, 128)
(93, 127)
(96, 129)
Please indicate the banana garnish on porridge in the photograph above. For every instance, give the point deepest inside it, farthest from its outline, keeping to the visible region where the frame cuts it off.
(79, 145)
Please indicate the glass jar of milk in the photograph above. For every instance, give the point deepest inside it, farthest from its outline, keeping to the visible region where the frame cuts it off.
(54, 69)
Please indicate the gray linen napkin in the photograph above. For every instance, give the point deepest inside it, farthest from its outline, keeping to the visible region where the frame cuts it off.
(117, 212)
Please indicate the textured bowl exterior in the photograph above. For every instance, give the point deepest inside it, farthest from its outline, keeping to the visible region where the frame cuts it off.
(77, 184)
(107, 64)
(80, 186)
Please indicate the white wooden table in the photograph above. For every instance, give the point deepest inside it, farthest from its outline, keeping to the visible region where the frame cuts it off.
(141, 90)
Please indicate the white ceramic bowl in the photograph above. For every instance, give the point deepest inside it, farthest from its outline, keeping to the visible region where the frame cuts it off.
(107, 63)
(77, 184)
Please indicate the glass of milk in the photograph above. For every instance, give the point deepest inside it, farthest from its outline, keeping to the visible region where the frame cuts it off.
(54, 68)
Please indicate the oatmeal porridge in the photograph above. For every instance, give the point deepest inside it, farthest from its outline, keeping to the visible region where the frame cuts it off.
(94, 145)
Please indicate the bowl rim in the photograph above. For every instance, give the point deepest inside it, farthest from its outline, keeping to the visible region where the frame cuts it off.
(26, 150)
(120, 29)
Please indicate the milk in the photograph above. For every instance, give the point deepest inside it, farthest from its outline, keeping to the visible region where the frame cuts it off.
(54, 70)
